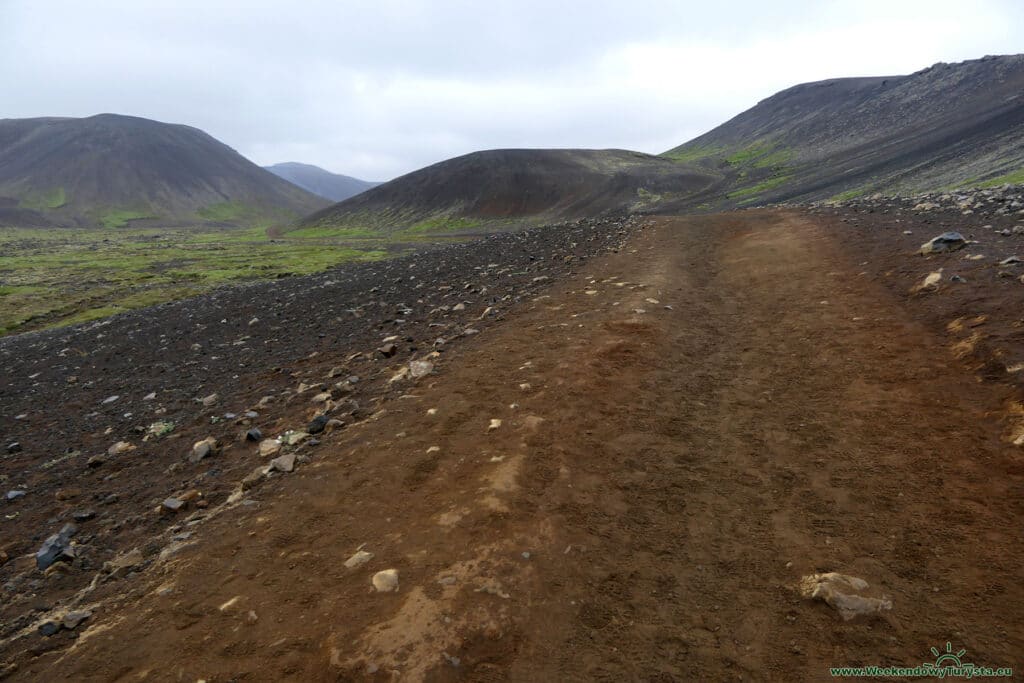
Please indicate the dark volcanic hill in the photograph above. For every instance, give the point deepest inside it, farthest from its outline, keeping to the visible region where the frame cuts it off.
(110, 169)
(515, 186)
(320, 182)
(944, 126)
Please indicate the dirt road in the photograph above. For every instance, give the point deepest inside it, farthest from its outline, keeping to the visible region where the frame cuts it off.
(688, 427)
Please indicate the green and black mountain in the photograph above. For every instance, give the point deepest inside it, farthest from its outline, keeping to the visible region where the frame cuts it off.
(488, 189)
(946, 126)
(112, 170)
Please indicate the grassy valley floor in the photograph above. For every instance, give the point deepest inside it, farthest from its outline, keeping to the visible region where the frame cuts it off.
(50, 278)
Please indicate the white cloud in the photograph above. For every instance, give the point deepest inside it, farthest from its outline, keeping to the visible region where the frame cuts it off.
(378, 89)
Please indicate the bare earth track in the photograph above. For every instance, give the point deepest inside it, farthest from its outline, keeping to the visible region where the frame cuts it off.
(689, 426)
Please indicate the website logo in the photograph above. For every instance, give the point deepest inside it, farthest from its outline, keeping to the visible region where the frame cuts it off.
(947, 665)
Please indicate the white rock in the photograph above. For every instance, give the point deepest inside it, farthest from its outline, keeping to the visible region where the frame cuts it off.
(386, 581)
(283, 463)
(931, 281)
(420, 368)
(841, 592)
(295, 438)
(358, 560)
(120, 447)
(495, 424)
(269, 447)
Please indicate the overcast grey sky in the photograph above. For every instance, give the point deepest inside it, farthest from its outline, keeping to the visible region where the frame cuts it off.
(378, 88)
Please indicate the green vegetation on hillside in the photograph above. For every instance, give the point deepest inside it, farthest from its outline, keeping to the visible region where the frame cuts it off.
(754, 191)
(388, 225)
(118, 218)
(51, 199)
(760, 154)
(1012, 178)
(751, 170)
(848, 195)
(57, 277)
(322, 231)
(441, 224)
(241, 213)
(693, 154)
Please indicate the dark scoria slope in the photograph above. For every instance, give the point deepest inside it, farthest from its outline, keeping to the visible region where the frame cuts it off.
(320, 182)
(109, 169)
(944, 126)
(509, 185)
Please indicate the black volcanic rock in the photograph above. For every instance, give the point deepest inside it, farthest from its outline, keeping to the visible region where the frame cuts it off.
(317, 424)
(109, 169)
(320, 182)
(57, 547)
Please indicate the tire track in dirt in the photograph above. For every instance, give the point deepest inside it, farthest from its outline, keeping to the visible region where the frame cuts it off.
(661, 480)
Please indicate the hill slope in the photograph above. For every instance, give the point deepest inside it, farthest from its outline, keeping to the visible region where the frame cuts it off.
(320, 182)
(110, 169)
(944, 126)
(515, 186)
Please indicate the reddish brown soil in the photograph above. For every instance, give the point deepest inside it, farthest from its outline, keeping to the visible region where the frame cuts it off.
(672, 473)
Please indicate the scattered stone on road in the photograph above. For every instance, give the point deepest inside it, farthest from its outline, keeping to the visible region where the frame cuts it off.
(842, 592)
(159, 429)
(172, 505)
(947, 241)
(71, 620)
(283, 463)
(269, 447)
(420, 368)
(360, 558)
(57, 548)
(204, 449)
(119, 448)
(294, 438)
(48, 628)
(930, 282)
(255, 477)
(317, 424)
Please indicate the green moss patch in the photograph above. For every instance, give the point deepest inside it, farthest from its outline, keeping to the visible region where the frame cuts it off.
(1012, 178)
(49, 200)
(118, 218)
(57, 277)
